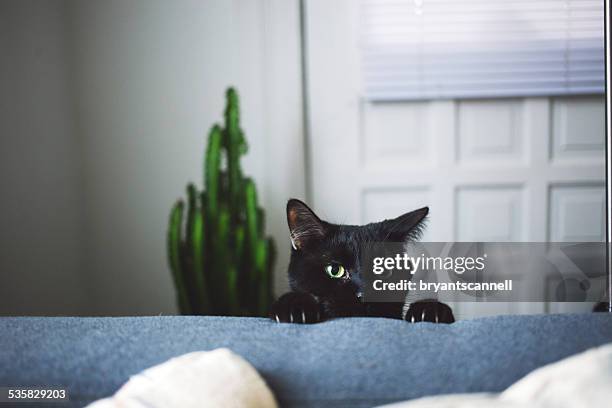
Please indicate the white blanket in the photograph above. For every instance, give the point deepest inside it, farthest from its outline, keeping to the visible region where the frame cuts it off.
(218, 378)
(583, 380)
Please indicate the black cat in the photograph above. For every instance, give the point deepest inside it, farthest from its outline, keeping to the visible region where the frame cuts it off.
(324, 271)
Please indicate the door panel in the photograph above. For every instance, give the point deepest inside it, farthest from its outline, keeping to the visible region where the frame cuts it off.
(513, 169)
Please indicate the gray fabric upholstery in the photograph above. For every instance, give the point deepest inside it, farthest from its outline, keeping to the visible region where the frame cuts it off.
(344, 362)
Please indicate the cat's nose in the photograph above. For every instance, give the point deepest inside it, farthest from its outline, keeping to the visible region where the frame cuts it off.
(359, 294)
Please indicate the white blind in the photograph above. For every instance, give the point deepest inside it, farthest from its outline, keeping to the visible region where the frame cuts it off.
(424, 49)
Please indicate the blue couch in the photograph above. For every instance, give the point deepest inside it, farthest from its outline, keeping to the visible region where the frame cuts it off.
(358, 362)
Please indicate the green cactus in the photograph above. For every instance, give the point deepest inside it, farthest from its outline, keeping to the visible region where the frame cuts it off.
(220, 259)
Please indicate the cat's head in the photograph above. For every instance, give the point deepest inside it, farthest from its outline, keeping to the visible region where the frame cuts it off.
(326, 257)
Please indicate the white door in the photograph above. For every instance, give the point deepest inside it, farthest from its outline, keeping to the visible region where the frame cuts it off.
(520, 169)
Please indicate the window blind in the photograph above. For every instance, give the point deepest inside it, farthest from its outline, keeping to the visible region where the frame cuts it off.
(425, 49)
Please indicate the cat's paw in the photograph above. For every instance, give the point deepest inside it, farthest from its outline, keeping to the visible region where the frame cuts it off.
(296, 307)
(429, 311)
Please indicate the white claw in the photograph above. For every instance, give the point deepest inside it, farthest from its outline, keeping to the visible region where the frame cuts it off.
(290, 317)
(437, 318)
(303, 317)
(423, 316)
(277, 319)
(412, 319)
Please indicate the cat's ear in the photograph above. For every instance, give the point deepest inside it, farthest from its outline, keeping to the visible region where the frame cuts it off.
(304, 225)
(406, 227)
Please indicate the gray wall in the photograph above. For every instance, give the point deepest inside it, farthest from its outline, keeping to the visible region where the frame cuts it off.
(40, 168)
(128, 94)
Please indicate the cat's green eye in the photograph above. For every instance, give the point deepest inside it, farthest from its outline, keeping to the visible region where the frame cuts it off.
(335, 270)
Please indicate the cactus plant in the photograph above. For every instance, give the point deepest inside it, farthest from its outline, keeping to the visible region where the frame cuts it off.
(220, 258)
